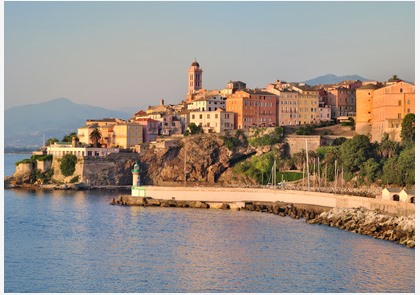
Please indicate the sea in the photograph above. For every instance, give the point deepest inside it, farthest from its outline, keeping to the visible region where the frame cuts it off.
(75, 241)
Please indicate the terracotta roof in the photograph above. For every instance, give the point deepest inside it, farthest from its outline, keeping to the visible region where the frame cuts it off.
(393, 190)
(370, 86)
(258, 92)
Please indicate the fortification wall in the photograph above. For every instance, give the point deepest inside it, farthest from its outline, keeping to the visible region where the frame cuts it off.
(58, 176)
(298, 142)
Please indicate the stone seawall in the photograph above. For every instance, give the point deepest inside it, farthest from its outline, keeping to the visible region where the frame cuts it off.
(213, 194)
(357, 220)
(372, 223)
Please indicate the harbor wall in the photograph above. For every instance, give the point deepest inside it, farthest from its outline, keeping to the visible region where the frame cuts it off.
(211, 194)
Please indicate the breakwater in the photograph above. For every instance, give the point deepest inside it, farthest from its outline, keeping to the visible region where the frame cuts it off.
(400, 229)
(360, 220)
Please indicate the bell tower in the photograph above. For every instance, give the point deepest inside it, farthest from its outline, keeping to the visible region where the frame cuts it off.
(195, 77)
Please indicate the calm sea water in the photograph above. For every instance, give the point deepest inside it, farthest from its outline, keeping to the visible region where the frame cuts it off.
(63, 241)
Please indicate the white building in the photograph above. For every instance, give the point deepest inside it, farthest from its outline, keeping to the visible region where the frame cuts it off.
(208, 103)
(59, 149)
(214, 121)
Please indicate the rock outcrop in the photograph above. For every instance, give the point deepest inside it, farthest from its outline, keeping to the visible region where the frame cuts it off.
(205, 159)
(372, 223)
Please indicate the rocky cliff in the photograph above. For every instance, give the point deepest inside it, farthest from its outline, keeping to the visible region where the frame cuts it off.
(205, 159)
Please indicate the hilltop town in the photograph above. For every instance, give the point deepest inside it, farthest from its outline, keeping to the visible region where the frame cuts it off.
(373, 108)
(243, 132)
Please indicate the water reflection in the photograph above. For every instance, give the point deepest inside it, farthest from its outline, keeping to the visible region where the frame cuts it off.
(76, 242)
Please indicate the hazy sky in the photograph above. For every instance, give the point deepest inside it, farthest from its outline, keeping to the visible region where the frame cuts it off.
(121, 54)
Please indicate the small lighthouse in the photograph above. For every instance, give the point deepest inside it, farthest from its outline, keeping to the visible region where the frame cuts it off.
(136, 189)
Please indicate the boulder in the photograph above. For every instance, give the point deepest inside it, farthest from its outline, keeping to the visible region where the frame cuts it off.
(152, 202)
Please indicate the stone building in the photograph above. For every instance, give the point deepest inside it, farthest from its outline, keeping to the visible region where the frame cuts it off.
(208, 103)
(253, 108)
(195, 80)
(127, 135)
(390, 104)
(342, 101)
(364, 115)
(308, 104)
(214, 121)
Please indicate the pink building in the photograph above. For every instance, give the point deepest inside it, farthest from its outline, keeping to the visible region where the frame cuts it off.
(342, 101)
(171, 124)
(150, 128)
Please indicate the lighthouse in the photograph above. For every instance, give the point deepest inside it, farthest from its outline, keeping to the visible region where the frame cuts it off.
(136, 189)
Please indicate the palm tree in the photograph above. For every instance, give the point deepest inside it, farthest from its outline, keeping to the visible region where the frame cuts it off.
(394, 78)
(95, 136)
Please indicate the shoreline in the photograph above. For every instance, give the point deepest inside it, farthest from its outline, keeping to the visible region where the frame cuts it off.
(356, 220)
(382, 219)
(241, 194)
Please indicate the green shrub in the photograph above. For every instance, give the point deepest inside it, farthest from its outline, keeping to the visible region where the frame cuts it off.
(230, 142)
(24, 161)
(74, 179)
(41, 157)
(68, 165)
(306, 130)
(290, 176)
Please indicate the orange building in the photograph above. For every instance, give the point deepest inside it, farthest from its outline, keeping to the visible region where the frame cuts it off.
(390, 104)
(252, 108)
(364, 99)
(342, 101)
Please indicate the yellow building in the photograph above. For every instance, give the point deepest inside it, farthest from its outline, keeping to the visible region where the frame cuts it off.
(83, 133)
(128, 135)
(308, 104)
(364, 97)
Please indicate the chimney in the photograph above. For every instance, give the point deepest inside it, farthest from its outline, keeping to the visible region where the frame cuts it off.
(162, 102)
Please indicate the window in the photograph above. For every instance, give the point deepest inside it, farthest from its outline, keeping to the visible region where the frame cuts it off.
(201, 116)
(408, 101)
(216, 116)
(193, 116)
(399, 115)
(399, 102)
(208, 116)
(408, 111)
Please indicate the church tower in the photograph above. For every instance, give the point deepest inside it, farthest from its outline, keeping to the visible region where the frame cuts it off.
(195, 77)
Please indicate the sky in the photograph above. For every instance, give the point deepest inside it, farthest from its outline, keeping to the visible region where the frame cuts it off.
(122, 55)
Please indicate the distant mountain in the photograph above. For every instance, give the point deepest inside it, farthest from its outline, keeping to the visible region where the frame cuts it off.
(333, 79)
(26, 125)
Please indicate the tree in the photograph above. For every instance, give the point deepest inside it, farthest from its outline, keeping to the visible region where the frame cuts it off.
(387, 148)
(305, 130)
(391, 173)
(68, 164)
(407, 129)
(339, 141)
(194, 129)
(51, 141)
(369, 170)
(299, 159)
(394, 78)
(406, 165)
(95, 136)
(68, 138)
(354, 152)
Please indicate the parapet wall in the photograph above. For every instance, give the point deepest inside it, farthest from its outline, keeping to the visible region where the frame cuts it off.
(273, 195)
(298, 142)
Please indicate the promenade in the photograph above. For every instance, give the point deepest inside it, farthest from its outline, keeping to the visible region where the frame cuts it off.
(230, 195)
